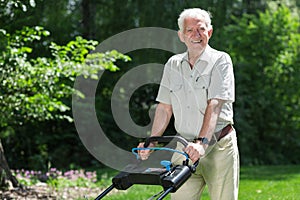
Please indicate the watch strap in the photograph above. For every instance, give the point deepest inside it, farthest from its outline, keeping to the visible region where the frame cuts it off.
(203, 140)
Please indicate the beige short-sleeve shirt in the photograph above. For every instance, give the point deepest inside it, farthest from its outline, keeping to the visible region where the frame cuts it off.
(188, 90)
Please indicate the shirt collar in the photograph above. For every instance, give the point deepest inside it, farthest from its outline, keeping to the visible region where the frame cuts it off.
(205, 56)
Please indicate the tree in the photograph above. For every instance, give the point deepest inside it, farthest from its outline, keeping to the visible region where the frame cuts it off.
(98, 20)
(35, 88)
(265, 50)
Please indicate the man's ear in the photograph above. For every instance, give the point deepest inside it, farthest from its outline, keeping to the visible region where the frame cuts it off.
(210, 32)
(180, 35)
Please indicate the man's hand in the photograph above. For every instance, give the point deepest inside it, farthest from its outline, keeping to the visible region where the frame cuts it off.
(163, 113)
(195, 151)
(144, 154)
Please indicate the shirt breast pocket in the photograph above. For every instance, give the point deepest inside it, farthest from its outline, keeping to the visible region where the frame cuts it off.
(176, 83)
(201, 85)
(175, 87)
(176, 93)
(202, 82)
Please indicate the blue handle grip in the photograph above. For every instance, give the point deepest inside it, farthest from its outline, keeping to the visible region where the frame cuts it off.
(157, 148)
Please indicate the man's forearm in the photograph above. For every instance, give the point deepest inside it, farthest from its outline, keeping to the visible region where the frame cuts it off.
(162, 118)
(211, 116)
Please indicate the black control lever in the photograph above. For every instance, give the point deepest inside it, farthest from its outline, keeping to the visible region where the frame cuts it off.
(165, 139)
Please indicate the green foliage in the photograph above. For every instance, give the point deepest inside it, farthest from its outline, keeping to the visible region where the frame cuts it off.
(34, 89)
(17, 4)
(38, 70)
(265, 50)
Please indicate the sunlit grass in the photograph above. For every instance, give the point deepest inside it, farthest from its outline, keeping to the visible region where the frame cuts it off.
(256, 183)
(270, 182)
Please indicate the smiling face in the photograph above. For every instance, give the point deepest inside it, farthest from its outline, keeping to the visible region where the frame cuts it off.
(195, 35)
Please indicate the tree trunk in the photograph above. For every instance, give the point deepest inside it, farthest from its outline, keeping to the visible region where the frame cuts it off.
(5, 173)
(85, 6)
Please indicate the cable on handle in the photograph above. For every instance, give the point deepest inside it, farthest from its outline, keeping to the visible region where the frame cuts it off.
(134, 150)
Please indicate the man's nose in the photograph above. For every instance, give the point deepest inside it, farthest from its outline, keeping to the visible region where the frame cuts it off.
(196, 33)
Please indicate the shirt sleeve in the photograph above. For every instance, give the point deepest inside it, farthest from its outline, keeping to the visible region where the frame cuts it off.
(222, 80)
(163, 95)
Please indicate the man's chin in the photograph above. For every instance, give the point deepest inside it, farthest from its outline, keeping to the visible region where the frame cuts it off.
(197, 47)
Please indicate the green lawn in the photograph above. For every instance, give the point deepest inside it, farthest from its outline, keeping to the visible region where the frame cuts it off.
(270, 182)
(256, 183)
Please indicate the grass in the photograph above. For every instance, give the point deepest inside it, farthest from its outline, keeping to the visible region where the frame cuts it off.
(256, 183)
(270, 183)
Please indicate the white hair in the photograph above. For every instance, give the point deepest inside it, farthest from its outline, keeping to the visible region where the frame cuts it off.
(194, 13)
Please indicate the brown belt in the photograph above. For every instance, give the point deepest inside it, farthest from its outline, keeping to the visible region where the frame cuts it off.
(222, 133)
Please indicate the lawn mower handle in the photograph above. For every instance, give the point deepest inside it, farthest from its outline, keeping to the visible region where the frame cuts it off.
(165, 139)
(169, 180)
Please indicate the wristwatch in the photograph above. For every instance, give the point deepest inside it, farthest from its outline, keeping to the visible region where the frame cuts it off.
(203, 140)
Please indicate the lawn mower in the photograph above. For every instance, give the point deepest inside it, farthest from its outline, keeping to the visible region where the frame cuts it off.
(169, 176)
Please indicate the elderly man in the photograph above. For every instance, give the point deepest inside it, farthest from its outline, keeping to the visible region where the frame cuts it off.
(197, 87)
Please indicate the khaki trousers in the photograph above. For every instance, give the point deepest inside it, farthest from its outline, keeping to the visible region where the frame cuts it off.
(218, 169)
